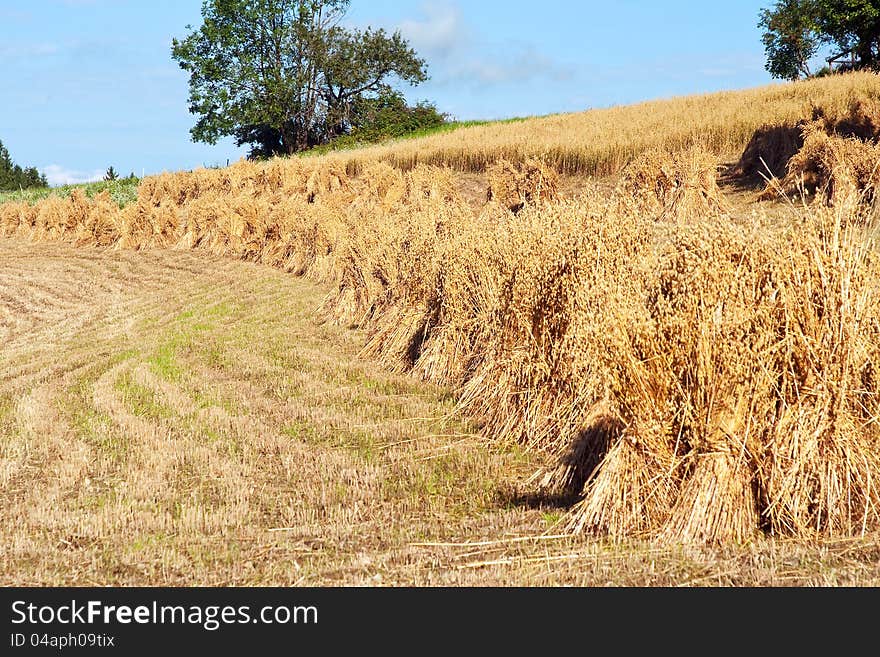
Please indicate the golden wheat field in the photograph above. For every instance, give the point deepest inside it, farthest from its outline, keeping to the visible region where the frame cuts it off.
(593, 349)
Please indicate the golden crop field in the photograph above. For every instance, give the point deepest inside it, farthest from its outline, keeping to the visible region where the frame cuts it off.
(578, 349)
(600, 142)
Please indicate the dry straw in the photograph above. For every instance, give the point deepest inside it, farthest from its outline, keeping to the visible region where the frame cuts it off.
(840, 170)
(675, 185)
(833, 153)
(515, 186)
(689, 374)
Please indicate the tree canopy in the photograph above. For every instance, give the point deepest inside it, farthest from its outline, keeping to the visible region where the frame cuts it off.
(14, 177)
(284, 75)
(794, 30)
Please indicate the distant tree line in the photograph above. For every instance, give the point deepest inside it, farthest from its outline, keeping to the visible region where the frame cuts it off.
(795, 30)
(15, 177)
(284, 76)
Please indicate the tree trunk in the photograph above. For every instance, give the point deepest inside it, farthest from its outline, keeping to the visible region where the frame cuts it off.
(290, 140)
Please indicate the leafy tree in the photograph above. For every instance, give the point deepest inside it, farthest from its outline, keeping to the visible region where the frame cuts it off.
(33, 178)
(283, 75)
(795, 29)
(358, 63)
(789, 39)
(111, 175)
(14, 177)
(852, 25)
(6, 169)
(388, 115)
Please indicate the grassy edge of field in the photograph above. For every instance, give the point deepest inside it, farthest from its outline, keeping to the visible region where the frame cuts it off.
(123, 191)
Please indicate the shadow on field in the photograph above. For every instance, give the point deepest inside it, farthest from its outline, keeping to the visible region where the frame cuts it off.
(536, 500)
(563, 486)
(767, 155)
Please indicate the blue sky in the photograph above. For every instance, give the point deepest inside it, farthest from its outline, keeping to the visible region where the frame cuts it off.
(87, 84)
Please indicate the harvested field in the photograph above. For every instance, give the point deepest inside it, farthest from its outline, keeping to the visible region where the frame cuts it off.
(174, 419)
(449, 377)
(177, 419)
(697, 341)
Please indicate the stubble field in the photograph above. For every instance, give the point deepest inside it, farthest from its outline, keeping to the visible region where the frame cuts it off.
(170, 419)
(364, 369)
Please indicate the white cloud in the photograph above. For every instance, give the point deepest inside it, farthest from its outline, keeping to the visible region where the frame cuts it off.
(439, 32)
(520, 65)
(59, 175)
(28, 50)
(94, 49)
(15, 15)
(459, 54)
(733, 64)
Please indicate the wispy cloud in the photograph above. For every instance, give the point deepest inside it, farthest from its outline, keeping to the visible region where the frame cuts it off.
(520, 64)
(59, 175)
(28, 50)
(460, 55)
(733, 64)
(94, 50)
(438, 32)
(15, 15)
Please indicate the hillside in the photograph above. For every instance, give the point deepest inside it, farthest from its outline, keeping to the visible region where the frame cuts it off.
(600, 142)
